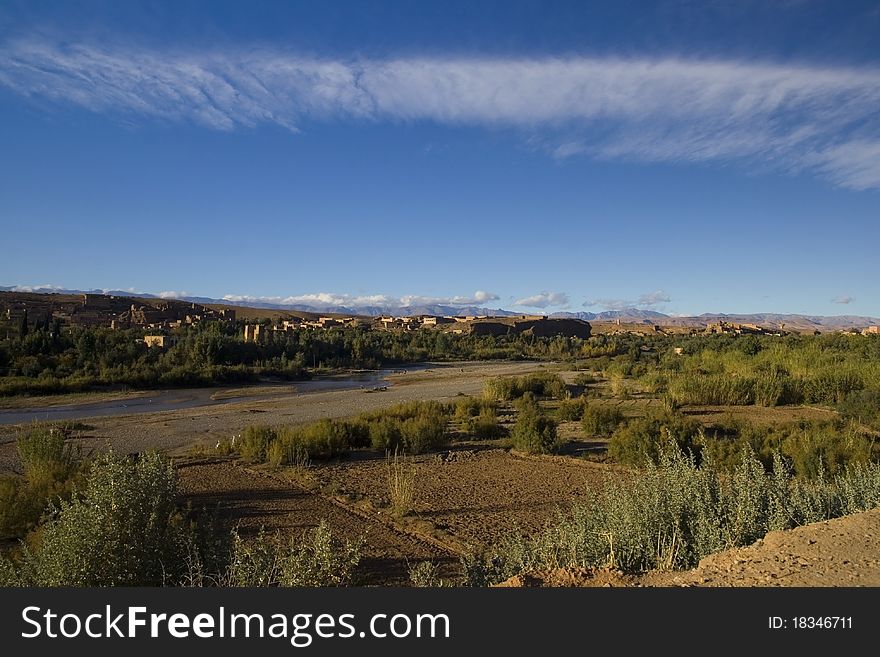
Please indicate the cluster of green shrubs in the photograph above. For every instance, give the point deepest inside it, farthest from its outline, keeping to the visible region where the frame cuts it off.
(773, 371)
(412, 427)
(534, 432)
(639, 441)
(810, 447)
(862, 406)
(570, 410)
(124, 528)
(316, 558)
(51, 465)
(544, 384)
(478, 417)
(672, 514)
(583, 379)
(600, 419)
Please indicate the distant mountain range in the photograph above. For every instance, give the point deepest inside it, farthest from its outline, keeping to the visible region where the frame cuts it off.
(626, 315)
(769, 320)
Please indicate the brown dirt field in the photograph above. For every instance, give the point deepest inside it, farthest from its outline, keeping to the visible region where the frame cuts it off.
(759, 414)
(474, 496)
(254, 499)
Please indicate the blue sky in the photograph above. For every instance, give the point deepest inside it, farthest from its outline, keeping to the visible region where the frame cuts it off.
(682, 156)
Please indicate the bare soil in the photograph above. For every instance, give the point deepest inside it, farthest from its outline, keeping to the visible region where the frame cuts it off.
(472, 496)
(254, 500)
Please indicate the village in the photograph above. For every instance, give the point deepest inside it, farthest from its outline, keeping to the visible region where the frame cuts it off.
(161, 317)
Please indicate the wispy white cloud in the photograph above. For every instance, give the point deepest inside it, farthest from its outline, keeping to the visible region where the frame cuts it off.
(171, 294)
(609, 304)
(647, 300)
(328, 299)
(544, 300)
(45, 288)
(843, 299)
(787, 116)
(654, 298)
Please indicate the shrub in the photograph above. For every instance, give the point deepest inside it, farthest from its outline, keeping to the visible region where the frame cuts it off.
(316, 558)
(717, 390)
(862, 406)
(486, 427)
(288, 449)
(600, 419)
(422, 434)
(320, 559)
(641, 441)
(653, 382)
(255, 442)
(425, 574)
(812, 448)
(570, 410)
(470, 407)
(46, 456)
(544, 384)
(385, 434)
(325, 438)
(534, 433)
(583, 379)
(413, 427)
(401, 483)
(21, 505)
(123, 529)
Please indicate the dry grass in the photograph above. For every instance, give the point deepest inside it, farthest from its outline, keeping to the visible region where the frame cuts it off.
(401, 483)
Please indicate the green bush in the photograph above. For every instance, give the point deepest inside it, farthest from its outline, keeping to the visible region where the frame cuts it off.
(863, 406)
(123, 529)
(21, 505)
(385, 434)
(255, 442)
(544, 384)
(600, 419)
(653, 382)
(715, 390)
(317, 558)
(642, 440)
(46, 456)
(812, 448)
(421, 434)
(486, 427)
(467, 408)
(570, 410)
(534, 433)
(325, 438)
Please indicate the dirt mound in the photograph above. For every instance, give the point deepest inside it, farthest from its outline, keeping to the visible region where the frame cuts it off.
(839, 552)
